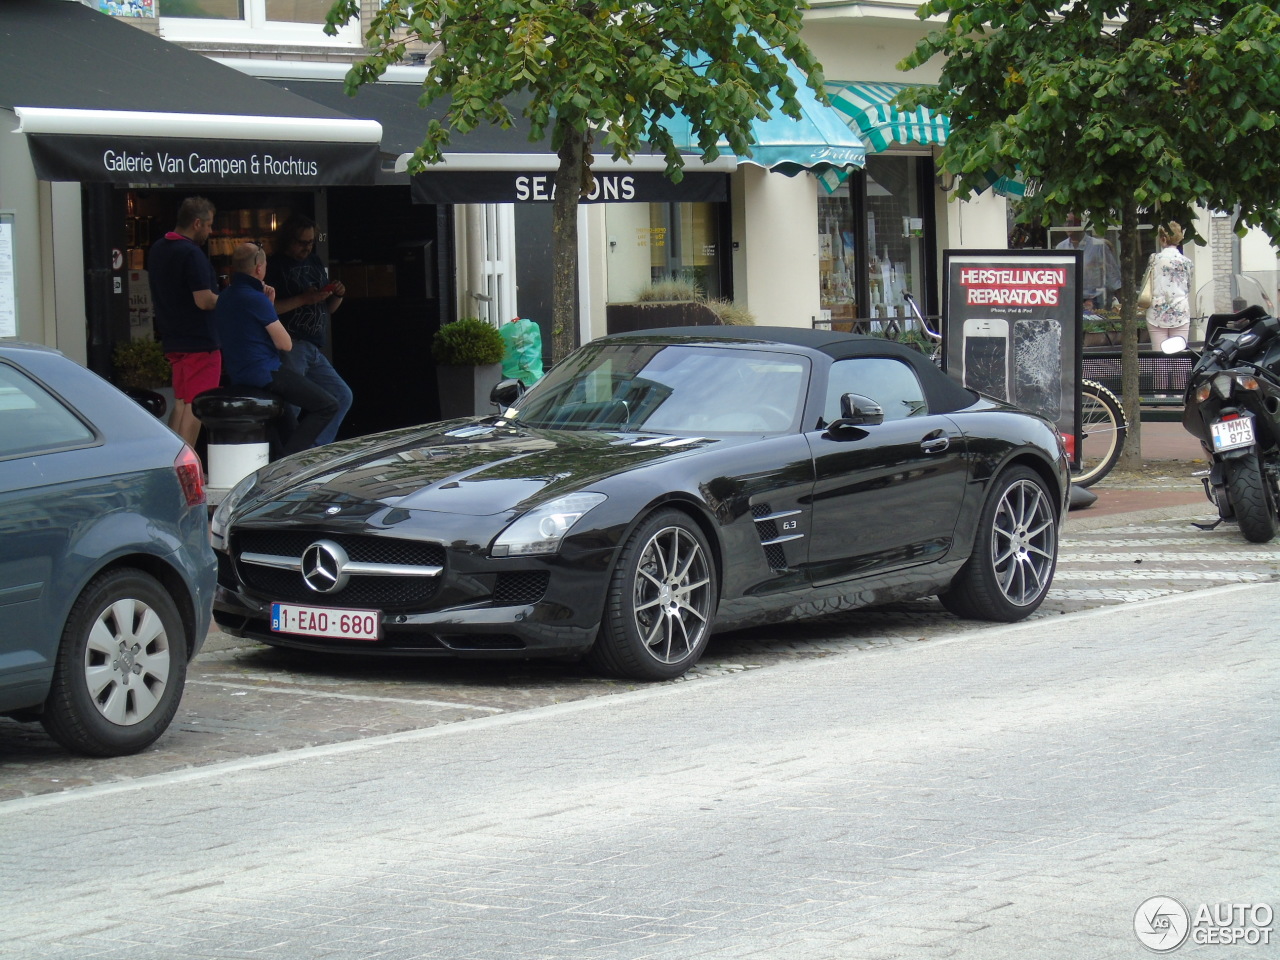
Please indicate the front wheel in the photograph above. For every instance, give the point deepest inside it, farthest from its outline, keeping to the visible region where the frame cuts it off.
(1102, 428)
(661, 601)
(1252, 498)
(121, 667)
(1014, 553)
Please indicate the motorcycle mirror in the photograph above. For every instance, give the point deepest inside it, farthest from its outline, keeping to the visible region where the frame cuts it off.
(1174, 345)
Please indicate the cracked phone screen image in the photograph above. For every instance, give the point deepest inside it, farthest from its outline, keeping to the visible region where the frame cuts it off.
(986, 358)
(1037, 362)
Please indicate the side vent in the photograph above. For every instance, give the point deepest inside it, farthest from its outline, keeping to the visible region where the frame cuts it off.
(767, 528)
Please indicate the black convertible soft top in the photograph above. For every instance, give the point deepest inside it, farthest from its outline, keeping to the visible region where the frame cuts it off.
(943, 393)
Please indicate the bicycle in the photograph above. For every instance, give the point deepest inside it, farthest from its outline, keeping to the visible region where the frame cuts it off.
(1102, 421)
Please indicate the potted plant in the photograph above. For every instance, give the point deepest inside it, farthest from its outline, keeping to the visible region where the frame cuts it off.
(141, 370)
(468, 356)
(675, 302)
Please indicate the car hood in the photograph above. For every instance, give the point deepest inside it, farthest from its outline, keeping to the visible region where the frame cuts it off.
(476, 469)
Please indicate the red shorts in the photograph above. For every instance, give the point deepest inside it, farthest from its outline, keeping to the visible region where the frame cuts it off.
(194, 373)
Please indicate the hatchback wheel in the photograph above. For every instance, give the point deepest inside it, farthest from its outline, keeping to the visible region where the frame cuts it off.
(661, 602)
(1014, 554)
(121, 667)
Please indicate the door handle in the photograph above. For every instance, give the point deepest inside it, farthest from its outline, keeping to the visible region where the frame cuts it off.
(936, 445)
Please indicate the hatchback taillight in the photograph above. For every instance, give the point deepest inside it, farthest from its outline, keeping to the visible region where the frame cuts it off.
(190, 476)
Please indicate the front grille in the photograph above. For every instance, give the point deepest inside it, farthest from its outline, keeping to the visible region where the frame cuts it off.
(363, 548)
(380, 592)
(520, 587)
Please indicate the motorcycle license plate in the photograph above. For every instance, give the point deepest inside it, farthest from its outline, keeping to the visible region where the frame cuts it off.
(1230, 434)
(326, 622)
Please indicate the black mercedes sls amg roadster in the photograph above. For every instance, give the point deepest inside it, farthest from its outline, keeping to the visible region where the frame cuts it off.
(652, 488)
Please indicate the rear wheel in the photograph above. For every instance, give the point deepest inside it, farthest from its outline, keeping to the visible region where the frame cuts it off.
(1252, 498)
(661, 600)
(121, 667)
(1014, 553)
(1102, 428)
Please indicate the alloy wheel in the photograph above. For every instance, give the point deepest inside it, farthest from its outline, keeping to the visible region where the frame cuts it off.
(672, 594)
(1023, 542)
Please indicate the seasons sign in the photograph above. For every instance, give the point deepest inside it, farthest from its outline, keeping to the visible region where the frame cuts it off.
(96, 159)
(443, 186)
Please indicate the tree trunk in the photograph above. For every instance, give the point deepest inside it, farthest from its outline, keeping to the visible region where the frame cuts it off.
(570, 175)
(1131, 456)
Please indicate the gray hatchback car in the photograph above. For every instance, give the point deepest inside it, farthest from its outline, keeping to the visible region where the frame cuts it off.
(106, 571)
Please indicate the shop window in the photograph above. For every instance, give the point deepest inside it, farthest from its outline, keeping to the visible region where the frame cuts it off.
(838, 256)
(651, 242)
(875, 242)
(1100, 284)
(274, 21)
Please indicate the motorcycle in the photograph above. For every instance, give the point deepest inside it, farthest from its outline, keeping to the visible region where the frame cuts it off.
(1232, 405)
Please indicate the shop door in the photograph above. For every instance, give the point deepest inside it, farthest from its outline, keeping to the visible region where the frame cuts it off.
(388, 251)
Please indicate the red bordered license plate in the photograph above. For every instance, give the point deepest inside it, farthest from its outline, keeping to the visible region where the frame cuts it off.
(1230, 434)
(326, 622)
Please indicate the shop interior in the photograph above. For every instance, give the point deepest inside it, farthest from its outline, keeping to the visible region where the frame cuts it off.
(392, 255)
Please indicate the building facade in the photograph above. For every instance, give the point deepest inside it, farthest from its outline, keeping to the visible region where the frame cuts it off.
(473, 238)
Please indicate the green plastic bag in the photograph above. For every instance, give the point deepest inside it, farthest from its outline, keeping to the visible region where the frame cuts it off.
(523, 358)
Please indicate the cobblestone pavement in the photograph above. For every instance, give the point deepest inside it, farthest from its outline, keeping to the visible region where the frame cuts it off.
(1011, 793)
(244, 699)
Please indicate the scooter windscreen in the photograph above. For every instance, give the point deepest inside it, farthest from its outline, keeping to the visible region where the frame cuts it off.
(1232, 303)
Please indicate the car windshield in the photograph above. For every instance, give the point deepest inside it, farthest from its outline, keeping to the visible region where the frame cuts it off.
(678, 389)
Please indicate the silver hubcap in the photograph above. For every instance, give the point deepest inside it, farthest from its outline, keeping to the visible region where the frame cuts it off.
(1024, 542)
(126, 662)
(672, 595)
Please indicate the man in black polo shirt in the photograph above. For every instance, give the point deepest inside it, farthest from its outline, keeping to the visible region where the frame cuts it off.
(184, 291)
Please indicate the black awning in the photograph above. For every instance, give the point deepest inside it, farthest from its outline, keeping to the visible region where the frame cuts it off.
(404, 123)
(103, 101)
(494, 165)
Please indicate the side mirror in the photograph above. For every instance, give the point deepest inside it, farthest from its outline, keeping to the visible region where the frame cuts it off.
(1174, 345)
(858, 411)
(506, 392)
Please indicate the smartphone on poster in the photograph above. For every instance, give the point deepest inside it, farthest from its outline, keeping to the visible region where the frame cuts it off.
(1037, 356)
(986, 356)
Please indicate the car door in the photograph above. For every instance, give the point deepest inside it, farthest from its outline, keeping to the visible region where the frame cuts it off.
(886, 495)
(34, 519)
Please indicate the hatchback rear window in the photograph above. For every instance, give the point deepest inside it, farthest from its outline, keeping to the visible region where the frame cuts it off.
(32, 420)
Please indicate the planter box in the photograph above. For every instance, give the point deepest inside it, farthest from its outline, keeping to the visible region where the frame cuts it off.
(464, 391)
(628, 317)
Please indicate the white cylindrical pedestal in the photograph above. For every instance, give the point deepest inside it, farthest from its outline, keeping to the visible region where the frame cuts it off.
(229, 463)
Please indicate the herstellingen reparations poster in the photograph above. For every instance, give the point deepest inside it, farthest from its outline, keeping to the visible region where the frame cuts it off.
(1011, 327)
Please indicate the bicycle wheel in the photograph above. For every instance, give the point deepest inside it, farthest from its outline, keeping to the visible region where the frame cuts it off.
(1102, 426)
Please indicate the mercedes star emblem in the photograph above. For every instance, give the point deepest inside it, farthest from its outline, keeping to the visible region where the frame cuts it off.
(324, 567)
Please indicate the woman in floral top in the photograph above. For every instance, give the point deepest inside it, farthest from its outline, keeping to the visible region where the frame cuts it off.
(1170, 312)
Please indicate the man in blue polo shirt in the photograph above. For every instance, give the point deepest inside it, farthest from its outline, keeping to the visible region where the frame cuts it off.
(252, 339)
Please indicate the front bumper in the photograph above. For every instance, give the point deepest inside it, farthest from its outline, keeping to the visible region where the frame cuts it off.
(471, 609)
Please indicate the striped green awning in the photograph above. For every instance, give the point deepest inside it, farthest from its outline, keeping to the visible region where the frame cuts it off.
(867, 107)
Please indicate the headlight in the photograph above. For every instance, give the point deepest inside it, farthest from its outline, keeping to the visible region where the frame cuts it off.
(218, 525)
(541, 529)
